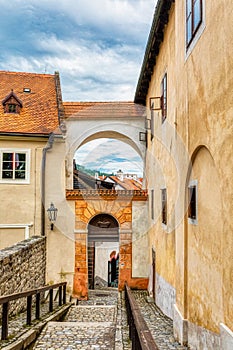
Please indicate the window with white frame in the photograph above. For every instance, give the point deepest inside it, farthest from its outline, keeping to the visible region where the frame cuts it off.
(194, 18)
(14, 165)
(192, 202)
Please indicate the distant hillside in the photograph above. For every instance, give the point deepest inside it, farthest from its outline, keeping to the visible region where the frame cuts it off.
(91, 171)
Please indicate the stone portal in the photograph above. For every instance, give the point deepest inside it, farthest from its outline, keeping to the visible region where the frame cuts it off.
(104, 208)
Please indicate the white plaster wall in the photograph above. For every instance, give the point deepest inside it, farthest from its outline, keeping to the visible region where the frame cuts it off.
(102, 256)
(140, 252)
(60, 241)
(180, 326)
(226, 337)
(201, 338)
(80, 131)
(165, 296)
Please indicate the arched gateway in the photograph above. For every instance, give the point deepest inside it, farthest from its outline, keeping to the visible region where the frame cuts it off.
(102, 228)
(105, 215)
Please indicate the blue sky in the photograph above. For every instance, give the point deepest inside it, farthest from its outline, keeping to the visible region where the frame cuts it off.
(93, 155)
(96, 45)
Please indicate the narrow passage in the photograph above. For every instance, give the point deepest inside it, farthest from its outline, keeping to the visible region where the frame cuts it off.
(93, 324)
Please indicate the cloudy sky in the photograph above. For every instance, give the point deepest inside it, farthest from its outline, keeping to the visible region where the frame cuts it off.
(93, 155)
(96, 45)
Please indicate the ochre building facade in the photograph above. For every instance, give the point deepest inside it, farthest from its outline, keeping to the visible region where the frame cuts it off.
(186, 83)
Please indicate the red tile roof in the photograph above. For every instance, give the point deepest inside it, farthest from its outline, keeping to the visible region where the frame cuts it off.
(127, 184)
(39, 112)
(103, 110)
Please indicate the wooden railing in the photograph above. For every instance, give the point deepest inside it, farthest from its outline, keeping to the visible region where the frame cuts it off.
(5, 301)
(139, 332)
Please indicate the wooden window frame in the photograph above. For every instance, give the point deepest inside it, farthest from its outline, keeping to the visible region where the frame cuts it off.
(192, 26)
(192, 202)
(152, 205)
(164, 206)
(12, 108)
(164, 97)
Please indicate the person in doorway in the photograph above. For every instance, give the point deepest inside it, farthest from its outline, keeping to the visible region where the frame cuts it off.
(113, 266)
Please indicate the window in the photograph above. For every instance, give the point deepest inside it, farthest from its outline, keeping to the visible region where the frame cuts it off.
(14, 166)
(11, 103)
(192, 202)
(194, 13)
(164, 97)
(27, 90)
(152, 121)
(164, 205)
(152, 204)
(12, 108)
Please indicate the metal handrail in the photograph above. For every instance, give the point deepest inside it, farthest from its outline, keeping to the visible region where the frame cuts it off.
(6, 299)
(139, 332)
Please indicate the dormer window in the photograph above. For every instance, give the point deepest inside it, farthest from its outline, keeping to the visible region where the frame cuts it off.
(12, 108)
(12, 104)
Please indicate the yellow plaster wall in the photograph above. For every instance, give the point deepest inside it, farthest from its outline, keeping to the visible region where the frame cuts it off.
(61, 241)
(205, 247)
(21, 203)
(200, 109)
(161, 166)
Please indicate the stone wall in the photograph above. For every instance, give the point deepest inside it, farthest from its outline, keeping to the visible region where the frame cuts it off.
(22, 267)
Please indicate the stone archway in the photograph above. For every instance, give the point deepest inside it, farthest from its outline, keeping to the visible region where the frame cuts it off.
(102, 228)
(117, 204)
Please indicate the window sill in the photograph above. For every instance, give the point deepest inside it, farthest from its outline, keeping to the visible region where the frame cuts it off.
(192, 221)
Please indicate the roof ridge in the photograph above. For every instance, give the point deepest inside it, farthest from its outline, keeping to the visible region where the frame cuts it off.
(26, 73)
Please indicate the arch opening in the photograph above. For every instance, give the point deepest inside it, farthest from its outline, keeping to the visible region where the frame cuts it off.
(104, 162)
(103, 251)
(203, 243)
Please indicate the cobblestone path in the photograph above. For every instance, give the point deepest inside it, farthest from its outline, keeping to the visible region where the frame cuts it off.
(161, 326)
(101, 324)
(93, 324)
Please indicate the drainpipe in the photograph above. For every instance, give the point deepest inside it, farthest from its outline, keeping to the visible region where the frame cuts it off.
(48, 147)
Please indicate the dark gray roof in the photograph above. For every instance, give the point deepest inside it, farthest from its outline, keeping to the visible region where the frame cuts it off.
(160, 20)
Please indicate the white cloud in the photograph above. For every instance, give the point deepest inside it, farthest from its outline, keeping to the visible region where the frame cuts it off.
(120, 15)
(109, 155)
(93, 73)
(97, 46)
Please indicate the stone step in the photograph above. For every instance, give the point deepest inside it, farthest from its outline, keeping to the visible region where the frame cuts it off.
(97, 313)
(77, 335)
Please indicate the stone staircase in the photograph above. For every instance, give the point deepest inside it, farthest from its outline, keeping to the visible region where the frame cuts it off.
(92, 324)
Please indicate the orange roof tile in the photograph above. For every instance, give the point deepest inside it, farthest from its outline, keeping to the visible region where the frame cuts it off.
(127, 184)
(39, 112)
(103, 109)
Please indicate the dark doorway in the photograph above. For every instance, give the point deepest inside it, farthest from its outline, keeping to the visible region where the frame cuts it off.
(153, 272)
(101, 228)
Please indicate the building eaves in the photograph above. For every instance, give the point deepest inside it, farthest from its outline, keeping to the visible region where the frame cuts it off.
(108, 110)
(161, 17)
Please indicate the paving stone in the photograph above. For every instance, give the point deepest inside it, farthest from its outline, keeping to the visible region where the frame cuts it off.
(101, 324)
(160, 326)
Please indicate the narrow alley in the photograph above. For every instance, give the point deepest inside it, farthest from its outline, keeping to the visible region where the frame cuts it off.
(101, 323)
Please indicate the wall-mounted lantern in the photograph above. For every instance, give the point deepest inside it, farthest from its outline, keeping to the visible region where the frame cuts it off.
(52, 214)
